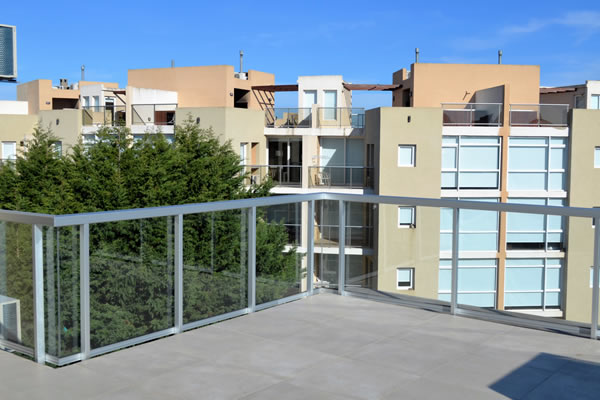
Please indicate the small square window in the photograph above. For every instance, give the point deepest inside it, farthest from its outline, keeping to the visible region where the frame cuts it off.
(406, 155)
(597, 157)
(406, 217)
(404, 278)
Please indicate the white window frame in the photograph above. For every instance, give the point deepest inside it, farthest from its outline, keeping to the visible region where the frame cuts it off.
(546, 231)
(243, 152)
(462, 267)
(413, 160)
(411, 281)
(597, 157)
(413, 217)
(548, 170)
(597, 97)
(544, 290)
(7, 156)
(457, 170)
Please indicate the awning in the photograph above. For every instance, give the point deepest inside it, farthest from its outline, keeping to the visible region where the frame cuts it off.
(545, 90)
(370, 86)
(276, 88)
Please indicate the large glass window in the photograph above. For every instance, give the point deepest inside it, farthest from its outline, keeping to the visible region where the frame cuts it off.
(595, 102)
(470, 162)
(534, 231)
(533, 283)
(476, 281)
(537, 163)
(285, 160)
(477, 229)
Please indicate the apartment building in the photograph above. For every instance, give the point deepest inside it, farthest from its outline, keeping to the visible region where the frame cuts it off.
(457, 131)
(585, 95)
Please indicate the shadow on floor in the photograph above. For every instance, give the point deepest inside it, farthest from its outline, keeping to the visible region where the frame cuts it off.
(549, 376)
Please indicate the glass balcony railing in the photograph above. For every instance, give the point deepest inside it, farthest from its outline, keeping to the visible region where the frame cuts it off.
(472, 114)
(281, 175)
(288, 118)
(78, 286)
(350, 177)
(153, 114)
(336, 117)
(539, 115)
(103, 115)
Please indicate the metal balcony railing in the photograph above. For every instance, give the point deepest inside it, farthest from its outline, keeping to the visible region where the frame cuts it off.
(180, 267)
(281, 175)
(338, 117)
(334, 176)
(472, 114)
(288, 117)
(356, 236)
(103, 115)
(556, 115)
(153, 114)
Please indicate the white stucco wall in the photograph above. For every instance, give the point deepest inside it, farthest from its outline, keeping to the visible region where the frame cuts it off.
(320, 83)
(144, 98)
(14, 107)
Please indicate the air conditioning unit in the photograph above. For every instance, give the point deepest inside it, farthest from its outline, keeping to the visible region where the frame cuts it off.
(241, 75)
(10, 319)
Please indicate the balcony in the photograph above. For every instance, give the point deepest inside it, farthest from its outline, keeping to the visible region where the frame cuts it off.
(288, 118)
(148, 116)
(539, 115)
(281, 175)
(90, 284)
(330, 117)
(472, 114)
(341, 177)
(103, 115)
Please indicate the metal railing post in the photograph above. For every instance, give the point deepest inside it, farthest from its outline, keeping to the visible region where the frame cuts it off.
(39, 334)
(310, 248)
(252, 259)
(178, 273)
(595, 278)
(342, 248)
(84, 290)
(454, 284)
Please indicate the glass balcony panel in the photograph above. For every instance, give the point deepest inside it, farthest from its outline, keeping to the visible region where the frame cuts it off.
(280, 259)
(215, 264)
(539, 114)
(62, 289)
(131, 279)
(472, 114)
(16, 283)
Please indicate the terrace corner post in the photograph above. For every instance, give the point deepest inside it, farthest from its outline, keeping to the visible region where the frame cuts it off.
(595, 279)
(342, 250)
(252, 259)
(454, 282)
(39, 333)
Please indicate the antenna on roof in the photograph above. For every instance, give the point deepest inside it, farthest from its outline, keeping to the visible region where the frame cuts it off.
(417, 55)
(241, 61)
(172, 63)
(83, 72)
(499, 56)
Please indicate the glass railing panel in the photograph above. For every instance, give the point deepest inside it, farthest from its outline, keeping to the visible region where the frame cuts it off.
(539, 115)
(336, 117)
(131, 279)
(404, 264)
(280, 252)
(142, 114)
(215, 264)
(288, 117)
(477, 114)
(286, 175)
(62, 290)
(16, 283)
(341, 176)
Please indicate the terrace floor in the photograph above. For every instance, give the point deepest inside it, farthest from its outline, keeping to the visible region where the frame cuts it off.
(328, 347)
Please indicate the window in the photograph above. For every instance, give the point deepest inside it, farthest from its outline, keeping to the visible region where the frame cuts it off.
(85, 101)
(470, 162)
(534, 231)
(58, 148)
(404, 278)
(96, 103)
(477, 229)
(406, 155)
(537, 163)
(476, 281)
(579, 101)
(330, 103)
(597, 157)
(533, 283)
(595, 100)
(243, 155)
(406, 217)
(9, 150)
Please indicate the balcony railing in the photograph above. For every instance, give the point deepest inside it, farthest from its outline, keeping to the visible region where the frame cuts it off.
(153, 114)
(103, 115)
(288, 117)
(330, 117)
(539, 115)
(356, 236)
(81, 285)
(350, 177)
(472, 114)
(281, 175)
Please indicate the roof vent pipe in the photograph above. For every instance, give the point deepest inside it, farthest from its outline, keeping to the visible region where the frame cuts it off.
(499, 56)
(83, 72)
(241, 61)
(172, 63)
(417, 55)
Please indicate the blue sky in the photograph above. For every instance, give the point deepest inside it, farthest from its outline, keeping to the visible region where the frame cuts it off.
(363, 41)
